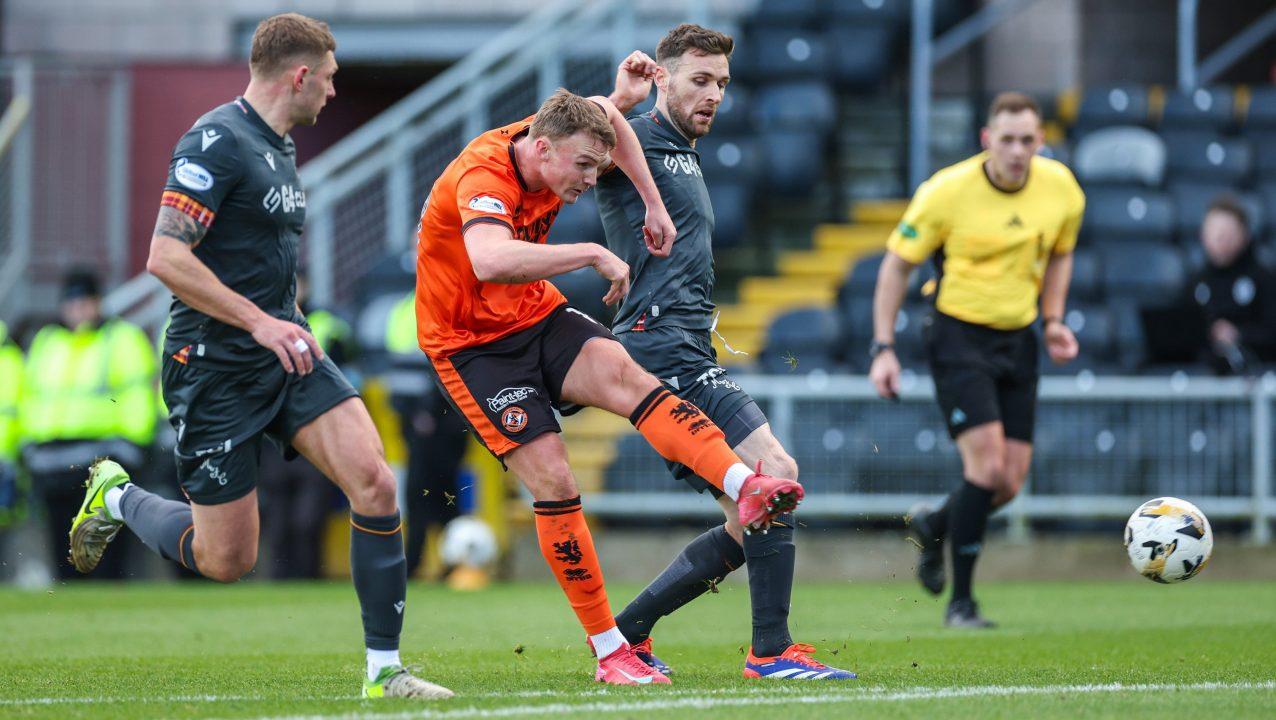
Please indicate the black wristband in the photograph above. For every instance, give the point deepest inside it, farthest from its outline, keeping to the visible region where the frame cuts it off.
(1045, 321)
(877, 348)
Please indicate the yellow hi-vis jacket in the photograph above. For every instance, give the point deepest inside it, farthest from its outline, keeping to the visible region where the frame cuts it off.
(400, 331)
(89, 384)
(10, 392)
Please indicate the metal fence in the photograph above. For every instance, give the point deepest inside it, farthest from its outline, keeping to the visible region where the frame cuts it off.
(1102, 446)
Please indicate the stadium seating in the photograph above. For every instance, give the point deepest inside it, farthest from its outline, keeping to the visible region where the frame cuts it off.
(728, 157)
(1120, 155)
(1087, 276)
(1105, 106)
(805, 106)
(1142, 273)
(902, 448)
(789, 13)
(861, 55)
(1122, 214)
(733, 114)
(1085, 449)
(1095, 331)
(578, 222)
(730, 200)
(1205, 155)
(1261, 115)
(792, 162)
(1208, 109)
(1264, 153)
(787, 54)
(1192, 199)
(801, 341)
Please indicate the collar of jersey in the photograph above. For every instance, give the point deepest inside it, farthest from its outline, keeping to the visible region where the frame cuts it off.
(278, 140)
(667, 130)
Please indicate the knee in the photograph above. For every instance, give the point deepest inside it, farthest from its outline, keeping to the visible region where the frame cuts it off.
(374, 489)
(991, 472)
(553, 482)
(782, 465)
(227, 565)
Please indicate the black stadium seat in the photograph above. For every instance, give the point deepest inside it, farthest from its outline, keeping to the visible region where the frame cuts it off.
(1141, 272)
(730, 200)
(805, 106)
(801, 340)
(1095, 330)
(789, 13)
(728, 157)
(1265, 154)
(1262, 110)
(787, 54)
(1200, 109)
(861, 55)
(733, 114)
(1204, 155)
(1087, 276)
(859, 12)
(1104, 106)
(1120, 155)
(1122, 214)
(792, 161)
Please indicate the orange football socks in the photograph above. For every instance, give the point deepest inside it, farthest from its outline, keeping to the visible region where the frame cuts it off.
(680, 432)
(569, 549)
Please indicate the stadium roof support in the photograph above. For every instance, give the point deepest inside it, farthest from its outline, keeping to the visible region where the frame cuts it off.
(1193, 74)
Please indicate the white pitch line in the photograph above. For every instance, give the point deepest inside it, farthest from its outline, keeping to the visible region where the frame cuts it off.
(823, 698)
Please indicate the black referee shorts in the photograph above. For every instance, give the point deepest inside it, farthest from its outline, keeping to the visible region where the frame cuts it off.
(983, 375)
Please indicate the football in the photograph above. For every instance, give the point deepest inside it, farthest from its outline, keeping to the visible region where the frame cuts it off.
(1169, 540)
(468, 541)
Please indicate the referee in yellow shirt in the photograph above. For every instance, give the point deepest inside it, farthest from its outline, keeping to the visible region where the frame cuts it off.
(1000, 228)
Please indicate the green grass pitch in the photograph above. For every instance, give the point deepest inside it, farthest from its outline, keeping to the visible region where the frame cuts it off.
(1064, 650)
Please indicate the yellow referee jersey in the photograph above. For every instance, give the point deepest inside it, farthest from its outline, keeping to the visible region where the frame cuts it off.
(991, 246)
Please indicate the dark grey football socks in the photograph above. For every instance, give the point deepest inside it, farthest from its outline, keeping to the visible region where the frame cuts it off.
(968, 511)
(703, 563)
(380, 572)
(165, 526)
(771, 558)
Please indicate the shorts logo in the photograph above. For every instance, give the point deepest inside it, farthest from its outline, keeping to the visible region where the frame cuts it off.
(488, 204)
(192, 175)
(215, 472)
(509, 396)
(514, 419)
(958, 417)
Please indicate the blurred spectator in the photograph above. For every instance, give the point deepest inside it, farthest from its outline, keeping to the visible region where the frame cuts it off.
(434, 433)
(295, 497)
(1235, 294)
(88, 391)
(10, 388)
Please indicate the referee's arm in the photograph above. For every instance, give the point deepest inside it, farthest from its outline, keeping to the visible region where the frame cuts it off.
(1061, 344)
(892, 284)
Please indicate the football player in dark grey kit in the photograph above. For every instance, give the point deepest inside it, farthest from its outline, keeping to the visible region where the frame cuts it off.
(240, 362)
(665, 323)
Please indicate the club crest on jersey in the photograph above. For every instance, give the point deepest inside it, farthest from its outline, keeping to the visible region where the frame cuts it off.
(488, 204)
(192, 175)
(514, 419)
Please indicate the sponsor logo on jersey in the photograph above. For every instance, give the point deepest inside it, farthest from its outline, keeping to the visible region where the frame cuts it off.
(509, 396)
(192, 175)
(207, 138)
(906, 231)
(285, 196)
(488, 204)
(684, 163)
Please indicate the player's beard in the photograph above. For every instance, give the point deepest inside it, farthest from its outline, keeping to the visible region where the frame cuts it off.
(682, 120)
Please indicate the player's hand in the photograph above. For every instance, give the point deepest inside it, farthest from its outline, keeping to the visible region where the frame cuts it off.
(884, 374)
(633, 81)
(615, 271)
(296, 349)
(658, 231)
(1061, 344)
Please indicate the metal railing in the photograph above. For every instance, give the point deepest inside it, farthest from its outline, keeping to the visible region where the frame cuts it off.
(1103, 445)
(15, 180)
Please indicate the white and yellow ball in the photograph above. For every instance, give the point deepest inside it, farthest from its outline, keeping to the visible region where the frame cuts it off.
(1169, 540)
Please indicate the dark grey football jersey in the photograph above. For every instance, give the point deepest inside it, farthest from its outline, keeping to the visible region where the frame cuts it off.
(663, 291)
(232, 173)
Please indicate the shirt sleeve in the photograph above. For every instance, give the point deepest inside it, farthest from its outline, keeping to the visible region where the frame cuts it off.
(1067, 240)
(204, 167)
(923, 228)
(484, 195)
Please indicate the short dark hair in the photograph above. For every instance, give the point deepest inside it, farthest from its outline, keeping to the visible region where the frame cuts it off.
(1229, 204)
(688, 36)
(81, 282)
(1012, 102)
(565, 113)
(286, 37)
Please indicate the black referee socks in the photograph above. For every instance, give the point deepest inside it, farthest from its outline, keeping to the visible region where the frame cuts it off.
(968, 509)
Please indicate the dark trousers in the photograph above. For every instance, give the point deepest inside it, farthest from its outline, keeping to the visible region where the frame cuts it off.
(436, 438)
(61, 493)
(295, 500)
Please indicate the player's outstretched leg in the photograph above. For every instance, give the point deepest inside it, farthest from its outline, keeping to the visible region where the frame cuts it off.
(111, 502)
(701, 565)
(929, 538)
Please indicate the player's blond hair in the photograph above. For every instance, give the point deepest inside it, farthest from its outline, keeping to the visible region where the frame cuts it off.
(564, 114)
(286, 38)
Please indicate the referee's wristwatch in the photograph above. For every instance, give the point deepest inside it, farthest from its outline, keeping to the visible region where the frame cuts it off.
(878, 347)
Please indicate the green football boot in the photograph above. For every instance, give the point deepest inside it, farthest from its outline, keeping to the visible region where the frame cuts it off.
(94, 527)
(396, 681)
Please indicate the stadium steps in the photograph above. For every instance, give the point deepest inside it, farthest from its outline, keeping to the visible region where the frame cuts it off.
(591, 436)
